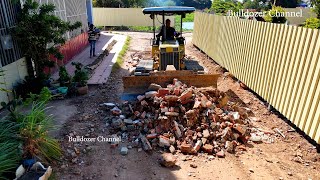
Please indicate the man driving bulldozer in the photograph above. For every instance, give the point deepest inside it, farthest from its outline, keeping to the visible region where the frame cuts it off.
(170, 31)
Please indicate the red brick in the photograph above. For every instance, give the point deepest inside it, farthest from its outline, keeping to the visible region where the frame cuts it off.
(186, 148)
(151, 136)
(162, 92)
(187, 94)
(171, 98)
(207, 148)
(177, 91)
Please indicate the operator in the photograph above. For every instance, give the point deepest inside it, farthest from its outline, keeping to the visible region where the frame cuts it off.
(92, 40)
(170, 31)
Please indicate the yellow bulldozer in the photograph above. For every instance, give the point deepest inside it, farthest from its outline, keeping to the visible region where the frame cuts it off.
(168, 59)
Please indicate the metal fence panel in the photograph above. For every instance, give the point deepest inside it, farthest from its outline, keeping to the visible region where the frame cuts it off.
(278, 62)
(124, 17)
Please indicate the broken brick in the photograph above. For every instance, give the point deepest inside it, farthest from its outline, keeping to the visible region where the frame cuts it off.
(171, 98)
(206, 133)
(168, 160)
(151, 136)
(162, 92)
(197, 146)
(186, 148)
(186, 95)
(208, 148)
(220, 154)
(164, 141)
(154, 87)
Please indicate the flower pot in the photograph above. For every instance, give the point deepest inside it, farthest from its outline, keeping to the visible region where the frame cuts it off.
(83, 90)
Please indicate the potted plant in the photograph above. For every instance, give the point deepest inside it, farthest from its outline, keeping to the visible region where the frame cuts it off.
(80, 78)
(64, 77)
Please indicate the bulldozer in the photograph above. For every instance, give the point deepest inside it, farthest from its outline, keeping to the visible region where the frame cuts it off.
(168, 59)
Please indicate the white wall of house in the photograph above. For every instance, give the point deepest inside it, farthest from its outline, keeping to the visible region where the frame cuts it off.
(12, 74)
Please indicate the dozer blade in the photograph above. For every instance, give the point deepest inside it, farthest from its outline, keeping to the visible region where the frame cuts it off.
(139, 84)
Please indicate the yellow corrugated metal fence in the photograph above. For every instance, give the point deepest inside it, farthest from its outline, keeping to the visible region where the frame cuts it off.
(124, 17)
(280, 63)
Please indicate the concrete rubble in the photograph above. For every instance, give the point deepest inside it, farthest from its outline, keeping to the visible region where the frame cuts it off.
(180, 118)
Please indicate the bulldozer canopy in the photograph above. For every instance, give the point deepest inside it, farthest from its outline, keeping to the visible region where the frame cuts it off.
(168, 10)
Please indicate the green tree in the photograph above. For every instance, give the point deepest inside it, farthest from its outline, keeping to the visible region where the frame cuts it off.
(251, 4)
(273, 17)
(316, 7)
(121, 3)
(109, 3)
(198, 4)
(222, 7)
(40, 32)
(169, 3)
(287, 3)
(313, 23)
(257, 4)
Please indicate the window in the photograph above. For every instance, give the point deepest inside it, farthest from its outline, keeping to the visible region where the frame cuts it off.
(9, 50)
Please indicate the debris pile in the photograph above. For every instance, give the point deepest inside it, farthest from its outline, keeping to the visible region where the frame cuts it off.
(182, 118)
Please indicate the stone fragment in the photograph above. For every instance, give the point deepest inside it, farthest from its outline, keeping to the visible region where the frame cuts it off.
(154, 87)
(124, 151)
(164, 141)
(172, 149)
(207, 148)
(168, 160)
(140, 97)
(150, 94)
(220, 154)
(177, 130)
(193, 165)
(145, 143)
(128, 121)
(197, 146)
(206, 133)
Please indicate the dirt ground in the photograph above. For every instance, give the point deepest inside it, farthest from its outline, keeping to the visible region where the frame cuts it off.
(292, 157)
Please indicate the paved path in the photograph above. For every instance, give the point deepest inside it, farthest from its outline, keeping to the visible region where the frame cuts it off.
(102, 72)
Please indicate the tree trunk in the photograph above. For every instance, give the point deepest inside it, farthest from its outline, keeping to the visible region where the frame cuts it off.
(30, 68)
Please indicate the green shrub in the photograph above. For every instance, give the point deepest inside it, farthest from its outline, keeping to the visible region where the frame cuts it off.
(313, 23)
(64, 76)
(34, 129)
(44, 96)
(9, 147)
(81, 76)
(272, 16)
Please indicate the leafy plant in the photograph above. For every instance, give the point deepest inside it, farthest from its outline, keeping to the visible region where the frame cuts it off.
(34, 129)
(40, 33)
(222, 7)
(2, 74)
(64, 76)
(27, 86)
(9, 147)
(44, 96)
(274, 15)
(313, 23)
(11, 106)
(81, 75)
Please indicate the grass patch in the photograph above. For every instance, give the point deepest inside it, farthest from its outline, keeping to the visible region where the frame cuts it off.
(123, 51)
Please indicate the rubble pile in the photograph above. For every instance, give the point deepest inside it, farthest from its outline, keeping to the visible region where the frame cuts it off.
(182, 118)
